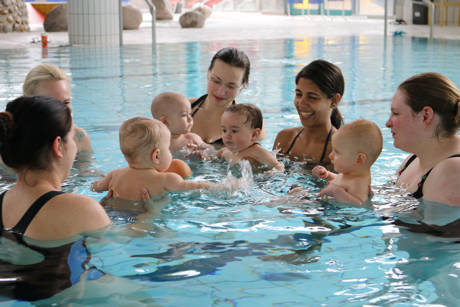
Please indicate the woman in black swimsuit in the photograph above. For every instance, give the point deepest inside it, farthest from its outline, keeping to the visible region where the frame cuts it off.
(424, 121)
(37, 141)
(228, 74)
(319, 88)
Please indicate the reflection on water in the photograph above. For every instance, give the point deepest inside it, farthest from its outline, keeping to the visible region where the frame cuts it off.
(256, 245)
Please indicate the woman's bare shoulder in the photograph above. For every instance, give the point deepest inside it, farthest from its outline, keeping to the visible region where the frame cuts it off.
(442, 183)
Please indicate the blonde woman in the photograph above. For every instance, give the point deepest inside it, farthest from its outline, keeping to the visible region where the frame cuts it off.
(49, 80)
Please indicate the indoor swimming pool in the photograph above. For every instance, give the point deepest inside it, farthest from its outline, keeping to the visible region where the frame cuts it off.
(256, 246)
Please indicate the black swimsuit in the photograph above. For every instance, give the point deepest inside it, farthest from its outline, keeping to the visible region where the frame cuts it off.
(61, 267)
(324, 147)
(419, 192)
(196, 105)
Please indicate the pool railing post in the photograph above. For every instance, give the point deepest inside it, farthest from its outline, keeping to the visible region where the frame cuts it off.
(120, 15)
(385, 19)
(430, 5)
(153, 11)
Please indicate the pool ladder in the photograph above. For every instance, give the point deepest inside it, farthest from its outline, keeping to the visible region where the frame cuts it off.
(153, 11)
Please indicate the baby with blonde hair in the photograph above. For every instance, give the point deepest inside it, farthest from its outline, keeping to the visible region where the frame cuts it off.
(355, 147)
(145, 144)
(173, 110)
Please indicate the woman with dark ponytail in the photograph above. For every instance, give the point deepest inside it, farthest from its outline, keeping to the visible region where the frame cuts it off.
(424, 121)
(37, 142)
(319, 89)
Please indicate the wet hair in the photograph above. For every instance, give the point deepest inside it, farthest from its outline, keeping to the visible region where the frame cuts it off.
(139, 136)
(438, 92)
(328, 77)
(252, 113)
(365, 136)
(42, 72)
(28, 129)
(233, 57)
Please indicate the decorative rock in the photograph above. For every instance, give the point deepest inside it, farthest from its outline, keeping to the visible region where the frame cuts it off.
(163, 9)
(56, 19)
(192, 19)
(132, 18)
(203, 9)
(10, 19)
(7, 27)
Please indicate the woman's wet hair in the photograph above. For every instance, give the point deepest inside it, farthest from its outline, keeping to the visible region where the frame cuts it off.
(438, 92)
(42, 72)
(233, 57)
(328, 77)
(28, 129)
(252, 113)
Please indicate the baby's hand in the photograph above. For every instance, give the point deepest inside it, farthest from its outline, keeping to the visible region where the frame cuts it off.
(320, 171)
(331, 190)
(95, 186)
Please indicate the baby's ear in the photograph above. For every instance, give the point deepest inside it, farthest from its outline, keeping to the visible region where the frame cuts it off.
(255, 134)
(154, 156)
(163, 119)
(361, 158)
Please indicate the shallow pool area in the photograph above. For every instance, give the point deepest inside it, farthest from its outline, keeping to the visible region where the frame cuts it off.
(259, 245)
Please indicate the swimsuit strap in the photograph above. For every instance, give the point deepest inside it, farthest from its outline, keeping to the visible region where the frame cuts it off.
(1, 215)
(24, 222)
(293, 141)
(198, 103)
(325, 145)
(409, 161)
(419, 192)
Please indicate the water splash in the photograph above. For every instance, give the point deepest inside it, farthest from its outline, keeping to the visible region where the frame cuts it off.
(231, 184)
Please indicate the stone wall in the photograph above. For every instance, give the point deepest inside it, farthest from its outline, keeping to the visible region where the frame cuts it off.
(13, 16)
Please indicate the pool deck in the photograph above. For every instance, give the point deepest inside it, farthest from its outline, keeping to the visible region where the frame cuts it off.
(242, 26)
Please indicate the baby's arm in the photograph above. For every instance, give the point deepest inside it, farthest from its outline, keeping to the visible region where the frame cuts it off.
(266, 157)
(102, 184)
(174, 182)
(340, 194)
(321, 172)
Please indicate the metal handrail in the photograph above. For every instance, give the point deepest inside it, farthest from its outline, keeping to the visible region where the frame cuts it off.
(153, 11)
(430, 5)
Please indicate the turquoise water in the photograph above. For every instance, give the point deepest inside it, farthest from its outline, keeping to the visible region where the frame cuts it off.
(257, 246)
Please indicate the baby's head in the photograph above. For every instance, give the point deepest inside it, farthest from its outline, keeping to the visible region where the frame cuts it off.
(145, 141)
(174, 110)
(356, 145)
(241, 126)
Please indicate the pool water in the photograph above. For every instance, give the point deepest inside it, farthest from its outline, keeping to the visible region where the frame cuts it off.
(255, 246)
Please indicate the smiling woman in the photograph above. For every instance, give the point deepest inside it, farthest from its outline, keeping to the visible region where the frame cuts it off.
(319, 88)
(228, 74)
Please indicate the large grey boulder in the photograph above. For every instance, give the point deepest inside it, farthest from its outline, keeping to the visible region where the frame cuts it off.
(163, 9)
(192, 19)
(132, 18)
(203, 9)
(56, 19)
